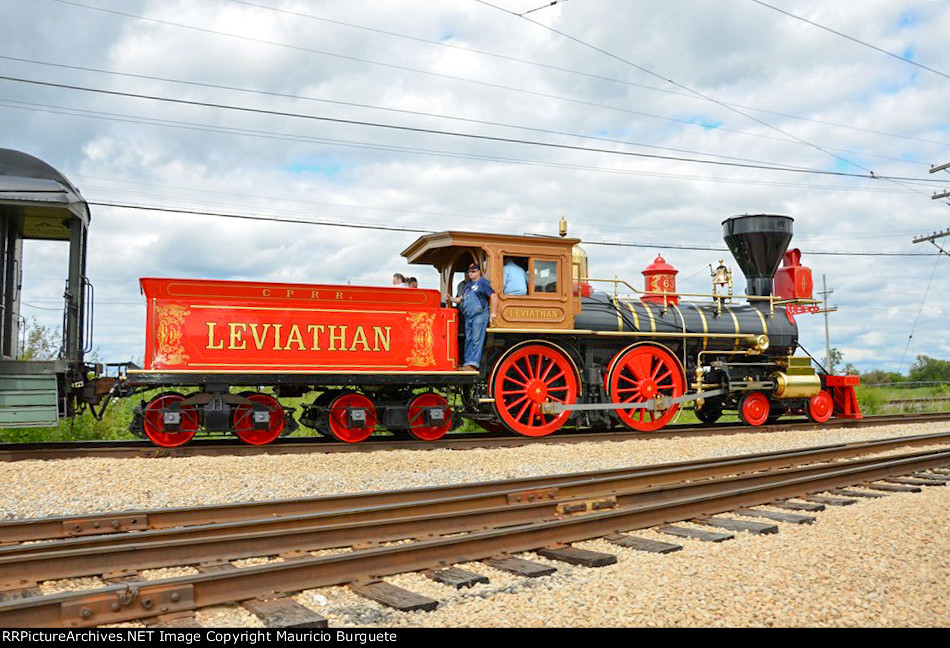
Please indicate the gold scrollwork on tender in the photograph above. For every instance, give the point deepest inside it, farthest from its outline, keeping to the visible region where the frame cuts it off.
(171, 320)
(423, 339)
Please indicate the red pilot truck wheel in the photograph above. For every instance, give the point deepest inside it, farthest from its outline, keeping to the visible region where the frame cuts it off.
(754, 408)
(820, 407)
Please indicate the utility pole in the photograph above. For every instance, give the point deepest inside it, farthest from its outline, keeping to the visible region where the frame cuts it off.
(943, 194)
(825, 293)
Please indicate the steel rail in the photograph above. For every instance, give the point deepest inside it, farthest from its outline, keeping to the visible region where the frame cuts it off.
(195, 545)
(142, 520)
(306, 445)
(149, 598)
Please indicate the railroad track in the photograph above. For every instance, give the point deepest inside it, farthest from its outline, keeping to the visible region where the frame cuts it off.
(487, 521)
(306, 445)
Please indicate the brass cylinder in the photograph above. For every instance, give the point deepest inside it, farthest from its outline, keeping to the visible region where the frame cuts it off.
(757, 343)
(795, 386)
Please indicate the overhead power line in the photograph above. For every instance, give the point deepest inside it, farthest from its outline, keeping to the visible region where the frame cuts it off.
(691, 94)
(483, 122)
(415, 230)
(401, 111)
(903, 59)
(692, 91)
(472, 136)
(468, 50)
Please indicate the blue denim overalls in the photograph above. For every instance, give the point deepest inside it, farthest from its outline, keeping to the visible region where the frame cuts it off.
(475, 314)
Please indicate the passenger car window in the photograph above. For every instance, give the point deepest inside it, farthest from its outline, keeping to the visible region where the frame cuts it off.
(545, 276)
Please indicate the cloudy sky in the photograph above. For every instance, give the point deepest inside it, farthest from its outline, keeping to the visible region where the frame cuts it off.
(644, 123)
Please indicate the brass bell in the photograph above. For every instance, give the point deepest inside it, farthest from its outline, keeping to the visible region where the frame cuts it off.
(721, 275)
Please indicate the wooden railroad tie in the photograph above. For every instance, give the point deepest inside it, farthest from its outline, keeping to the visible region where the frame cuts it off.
(455, 577)
(914, 481)
(283, 612)
(831, 501)
(696, 534)
(791, 518)
(520, 566)
(756, 528)
(798, 506)
(890, 488)
(932, 476)
(575, 556)
(853, 493)
(643, 544)
(394, 597)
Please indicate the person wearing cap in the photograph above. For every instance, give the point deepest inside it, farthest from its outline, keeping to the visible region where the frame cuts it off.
(479, 305)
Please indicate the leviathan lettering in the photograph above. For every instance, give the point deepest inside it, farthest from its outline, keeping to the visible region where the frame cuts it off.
(533, 313)
(311, 337)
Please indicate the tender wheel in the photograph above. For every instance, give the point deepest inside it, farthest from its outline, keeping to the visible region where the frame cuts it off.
(243, 420)
(754, 408)
(710, 412)
(432, 430)
(820, 407)
(154, 421)
(639, 374)
(347, 428)
(527, 378)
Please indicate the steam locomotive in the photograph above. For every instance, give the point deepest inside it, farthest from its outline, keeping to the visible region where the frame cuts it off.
(226, 353)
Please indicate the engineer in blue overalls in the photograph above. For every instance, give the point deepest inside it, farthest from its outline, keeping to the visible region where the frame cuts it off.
(478, 304)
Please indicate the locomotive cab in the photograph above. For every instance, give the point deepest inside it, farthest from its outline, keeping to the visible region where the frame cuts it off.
(549, 300)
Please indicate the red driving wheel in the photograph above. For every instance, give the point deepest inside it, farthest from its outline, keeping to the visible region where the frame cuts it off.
(417, 417)
(640, 373)
(820, 407)
(754, 408)
(243, 421)
(527, 378)
(154, 421)
(339, 412)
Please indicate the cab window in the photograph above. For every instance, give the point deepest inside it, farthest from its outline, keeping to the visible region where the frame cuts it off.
(515, 275)
(545, 277)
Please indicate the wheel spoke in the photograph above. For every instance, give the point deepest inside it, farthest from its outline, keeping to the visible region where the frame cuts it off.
(515, 366)
(515, 402)
(544, 377)
(510, 378)
(522, 410)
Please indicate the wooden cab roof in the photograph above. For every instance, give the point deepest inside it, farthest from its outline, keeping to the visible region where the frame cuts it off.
(440, 248)
(552, 256)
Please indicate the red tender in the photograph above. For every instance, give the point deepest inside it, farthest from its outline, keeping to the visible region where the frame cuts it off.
(246, 326)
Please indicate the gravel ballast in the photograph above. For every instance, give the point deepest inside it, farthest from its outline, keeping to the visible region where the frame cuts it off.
(880, 562)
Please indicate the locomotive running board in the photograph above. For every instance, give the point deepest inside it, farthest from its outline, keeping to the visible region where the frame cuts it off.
(658, 403)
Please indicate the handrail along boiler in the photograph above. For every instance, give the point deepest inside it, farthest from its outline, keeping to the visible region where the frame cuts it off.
(224, 354)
